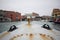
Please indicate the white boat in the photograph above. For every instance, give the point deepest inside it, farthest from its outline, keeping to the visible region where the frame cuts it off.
(30, 32)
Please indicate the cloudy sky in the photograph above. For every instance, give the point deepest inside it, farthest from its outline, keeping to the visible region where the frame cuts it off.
(42, 7)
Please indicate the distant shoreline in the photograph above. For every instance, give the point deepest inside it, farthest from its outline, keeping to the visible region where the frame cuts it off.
(11, 21)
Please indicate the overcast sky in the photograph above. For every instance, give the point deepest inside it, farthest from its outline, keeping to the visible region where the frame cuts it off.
(42, 7)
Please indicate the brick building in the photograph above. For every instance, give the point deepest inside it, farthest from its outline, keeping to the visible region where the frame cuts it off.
(11, 15)
(14, 16)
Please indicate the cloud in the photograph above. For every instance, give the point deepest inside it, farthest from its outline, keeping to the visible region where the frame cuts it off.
(43, 7)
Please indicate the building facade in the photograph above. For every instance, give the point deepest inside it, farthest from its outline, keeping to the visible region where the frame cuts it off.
(11, 16)
(56, 12)
(56, 15)
(14, 16)
(33, 17)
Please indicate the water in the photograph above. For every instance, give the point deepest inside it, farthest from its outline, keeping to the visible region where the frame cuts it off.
(4, 26)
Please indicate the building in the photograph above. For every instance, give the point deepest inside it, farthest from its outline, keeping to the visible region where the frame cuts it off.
(36, 16)
(11, 16)
(24, 17)
(56, 15)
(2, 18)
(56, 12)
(14, 16)
(33, 16)
(45, 17)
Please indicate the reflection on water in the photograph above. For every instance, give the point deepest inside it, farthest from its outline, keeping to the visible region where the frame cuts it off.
(6, 25)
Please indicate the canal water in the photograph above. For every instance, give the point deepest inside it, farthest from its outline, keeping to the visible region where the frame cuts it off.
(4, 26)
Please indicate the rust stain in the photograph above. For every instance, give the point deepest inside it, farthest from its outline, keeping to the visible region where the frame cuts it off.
(12, 39)
(15, 37)
(29, 25)
(31, 36)
(5, 33)
(52, 38)
(44, 37)
(26, 34)
(21, 34)
(18, 35)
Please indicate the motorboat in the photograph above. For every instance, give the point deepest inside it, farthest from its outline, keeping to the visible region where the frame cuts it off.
(30, 31)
